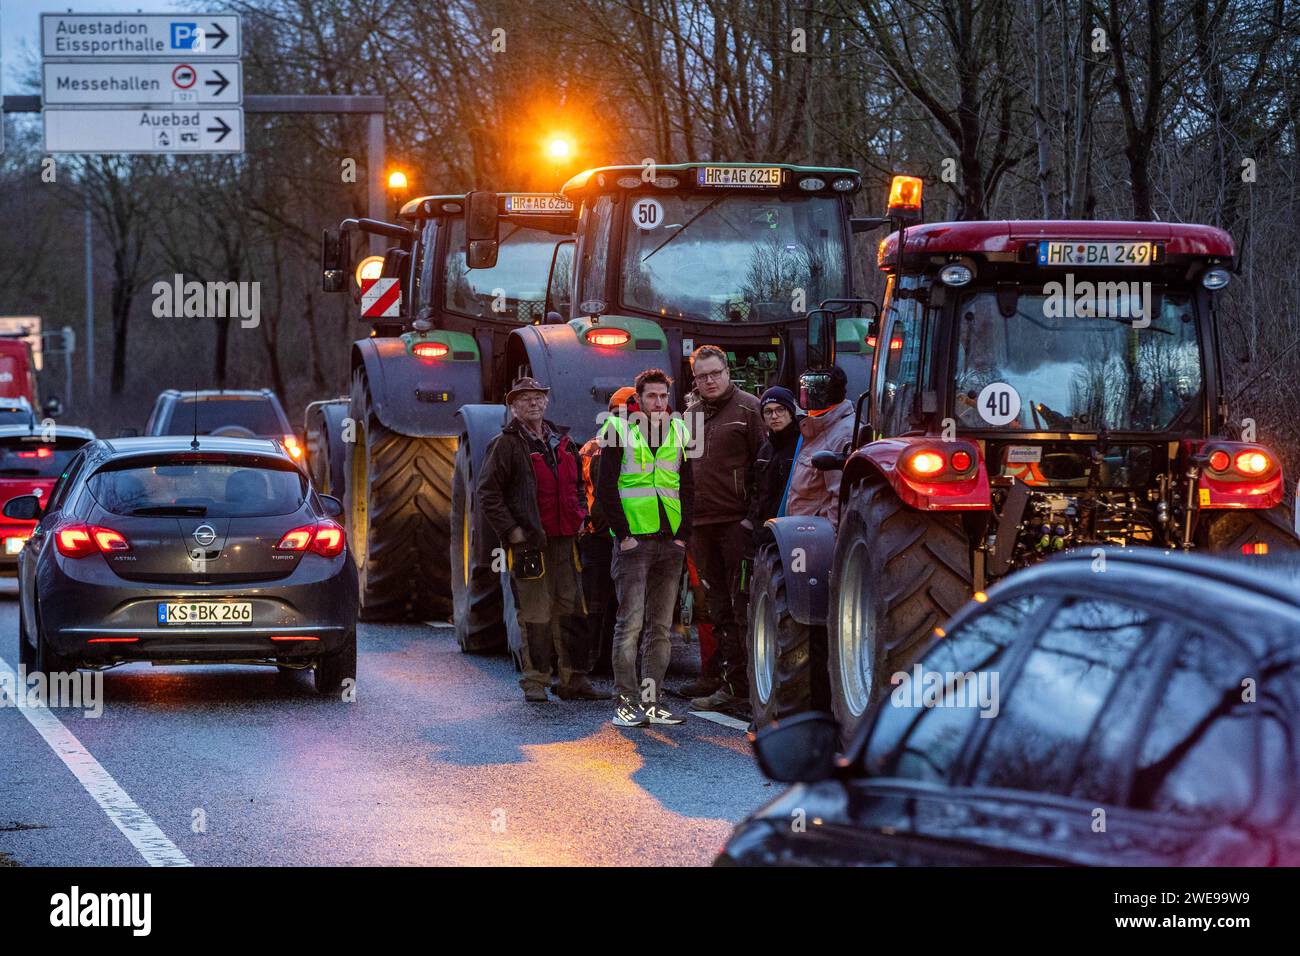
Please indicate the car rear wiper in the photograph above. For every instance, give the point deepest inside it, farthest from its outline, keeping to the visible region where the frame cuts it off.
(196, 511)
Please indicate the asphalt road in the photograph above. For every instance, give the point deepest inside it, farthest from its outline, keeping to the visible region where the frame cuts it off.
(438, 761)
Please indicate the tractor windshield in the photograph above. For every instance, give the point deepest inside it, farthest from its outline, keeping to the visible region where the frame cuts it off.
(730, 257)
(515, 288)
(1039, 369)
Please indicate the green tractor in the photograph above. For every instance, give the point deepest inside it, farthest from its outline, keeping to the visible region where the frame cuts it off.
(441, 303)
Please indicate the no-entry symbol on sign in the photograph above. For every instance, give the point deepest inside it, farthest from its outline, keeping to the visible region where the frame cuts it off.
(184, 76)
(380, 298)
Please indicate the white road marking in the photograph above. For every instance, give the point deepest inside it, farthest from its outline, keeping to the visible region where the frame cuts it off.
(727, 721)
(135, 824)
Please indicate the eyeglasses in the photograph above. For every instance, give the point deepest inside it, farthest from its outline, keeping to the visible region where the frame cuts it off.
(772, 411)
(709, 376)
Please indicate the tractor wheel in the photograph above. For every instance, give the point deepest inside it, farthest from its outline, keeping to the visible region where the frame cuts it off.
(787, 659)
(397, 504)
(899, 573)
(1227, 532)
(475, 587)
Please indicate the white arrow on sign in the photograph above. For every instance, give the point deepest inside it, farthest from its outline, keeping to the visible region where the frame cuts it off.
(149, 83)
(144, 131)
(107, 36)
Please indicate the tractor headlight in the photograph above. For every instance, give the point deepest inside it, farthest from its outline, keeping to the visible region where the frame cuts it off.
(956, 273)
(1214, 279)
(812, 183)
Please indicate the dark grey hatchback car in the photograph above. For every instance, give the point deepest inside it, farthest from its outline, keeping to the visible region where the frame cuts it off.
(1140, 711)
(155, 549)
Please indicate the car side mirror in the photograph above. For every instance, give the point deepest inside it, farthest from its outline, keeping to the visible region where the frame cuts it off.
(23, 508)
(53, 407)
(798, 749)
(829, 460)
(333, 507)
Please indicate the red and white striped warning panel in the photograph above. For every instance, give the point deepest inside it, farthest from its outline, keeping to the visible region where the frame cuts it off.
(380, 298)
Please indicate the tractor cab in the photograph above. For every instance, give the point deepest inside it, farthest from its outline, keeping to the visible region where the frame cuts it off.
(1061, 379)
(453, 264)
(728, 254)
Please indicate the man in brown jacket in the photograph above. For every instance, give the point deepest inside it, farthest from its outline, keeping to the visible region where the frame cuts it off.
(531, 493)
(729, 423)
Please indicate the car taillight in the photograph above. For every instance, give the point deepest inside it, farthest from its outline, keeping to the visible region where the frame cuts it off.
(37, 453)
(1220, 460)
(328, 540)
(325, 538)
(79, 540)
(608, 337)
(429, 350)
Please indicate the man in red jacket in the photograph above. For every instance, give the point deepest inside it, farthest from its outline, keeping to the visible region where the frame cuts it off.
(532, 495)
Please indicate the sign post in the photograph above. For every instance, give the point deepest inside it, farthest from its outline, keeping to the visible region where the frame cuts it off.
(142, 83)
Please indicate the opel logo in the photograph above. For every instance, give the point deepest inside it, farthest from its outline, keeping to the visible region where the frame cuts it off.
(205, 534)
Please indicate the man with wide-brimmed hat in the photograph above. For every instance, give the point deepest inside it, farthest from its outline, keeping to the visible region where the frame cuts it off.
(532, 495)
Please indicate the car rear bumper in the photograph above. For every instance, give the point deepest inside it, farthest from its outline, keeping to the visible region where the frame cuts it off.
(97, 617)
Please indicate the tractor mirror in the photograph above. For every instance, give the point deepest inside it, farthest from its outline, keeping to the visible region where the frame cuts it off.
(821, 339)
(335, 260)
(481, 230)
(799, 749)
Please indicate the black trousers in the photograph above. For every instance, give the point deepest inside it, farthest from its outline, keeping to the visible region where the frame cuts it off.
(597, 551)
(718, 550)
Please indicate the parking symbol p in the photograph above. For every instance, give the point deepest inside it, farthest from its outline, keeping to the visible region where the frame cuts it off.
(183, 35)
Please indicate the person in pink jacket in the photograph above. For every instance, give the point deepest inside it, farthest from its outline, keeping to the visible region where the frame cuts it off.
(827, 427)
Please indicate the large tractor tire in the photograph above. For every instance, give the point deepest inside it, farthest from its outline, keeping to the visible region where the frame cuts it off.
(1227, 532)
(787, 659)
(899, 574)
(397, 505)
(475, 587)
(330, 470)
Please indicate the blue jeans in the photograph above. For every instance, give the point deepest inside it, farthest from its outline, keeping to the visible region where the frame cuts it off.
(646, 579)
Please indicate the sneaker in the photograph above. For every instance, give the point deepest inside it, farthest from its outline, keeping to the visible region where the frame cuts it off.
(700, 687)
(536, 695)
(720, 699)
(582, 690)
(628, 714)
(659, 714)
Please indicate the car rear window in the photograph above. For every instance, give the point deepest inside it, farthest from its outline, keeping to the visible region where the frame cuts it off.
(229, 489)
(33, 458)
(258, 415)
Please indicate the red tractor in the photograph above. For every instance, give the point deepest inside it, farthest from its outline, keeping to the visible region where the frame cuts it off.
(1047, 385)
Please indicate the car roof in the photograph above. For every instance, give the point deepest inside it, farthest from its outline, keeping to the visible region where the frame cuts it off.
(60, 431)
(207, 393)
(117, 448)
(1258, 590)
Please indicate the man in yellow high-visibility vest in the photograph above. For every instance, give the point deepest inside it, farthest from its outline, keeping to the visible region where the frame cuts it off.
(646, 492)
